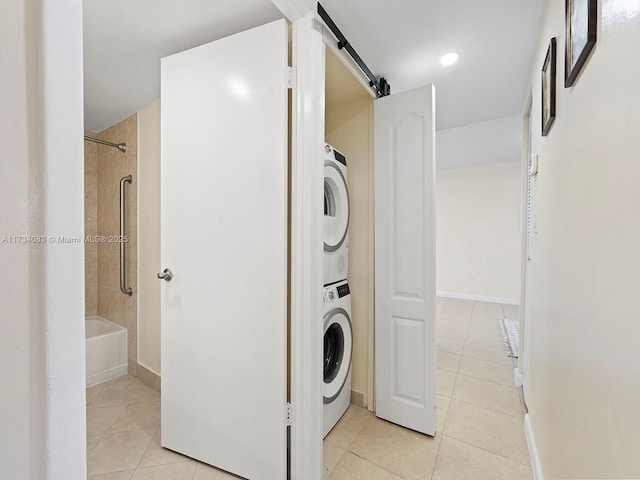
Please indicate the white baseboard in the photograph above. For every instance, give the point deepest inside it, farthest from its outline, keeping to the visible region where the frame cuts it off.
(533, 450)
(100, 377)
(478, 298)
(517, 377)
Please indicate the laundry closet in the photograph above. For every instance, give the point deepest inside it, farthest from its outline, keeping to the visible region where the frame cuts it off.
(348, 128)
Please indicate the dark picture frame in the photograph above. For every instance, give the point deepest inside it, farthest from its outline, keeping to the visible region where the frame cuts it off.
(580, 35)
(548, 78)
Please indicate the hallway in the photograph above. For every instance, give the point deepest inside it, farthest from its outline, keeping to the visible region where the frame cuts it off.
(479, 412)
(480, 420)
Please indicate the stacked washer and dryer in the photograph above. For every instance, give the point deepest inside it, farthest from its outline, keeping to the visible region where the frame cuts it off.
(338, 334)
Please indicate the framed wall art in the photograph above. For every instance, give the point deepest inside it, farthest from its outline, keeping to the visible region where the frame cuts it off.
(549, 88)
(580, 33)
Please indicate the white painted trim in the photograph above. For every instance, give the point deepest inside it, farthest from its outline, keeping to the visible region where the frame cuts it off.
(371, 341)
(294, 9)
(525, 274)
(517, 377)
(138, 243)
(307, 179)
(478, 298)
(536, 466)
(63, 211)
(114, 372)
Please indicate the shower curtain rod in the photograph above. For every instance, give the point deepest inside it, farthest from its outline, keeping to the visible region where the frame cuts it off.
(120, 146)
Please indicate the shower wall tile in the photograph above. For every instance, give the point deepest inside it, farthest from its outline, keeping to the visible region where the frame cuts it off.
(112, 165)
(90, 225)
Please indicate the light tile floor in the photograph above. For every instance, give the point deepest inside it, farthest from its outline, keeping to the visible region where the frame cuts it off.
(123, 437)
(479, 412)
(479, 420)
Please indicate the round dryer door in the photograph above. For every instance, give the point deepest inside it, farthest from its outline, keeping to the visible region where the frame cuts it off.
(338, 343)
(336, 207)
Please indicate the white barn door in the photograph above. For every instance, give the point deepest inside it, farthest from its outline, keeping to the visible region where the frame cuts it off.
(224, 237)
(405, 351)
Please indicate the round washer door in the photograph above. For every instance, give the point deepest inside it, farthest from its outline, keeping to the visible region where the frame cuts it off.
(336, 207)
(338, 344)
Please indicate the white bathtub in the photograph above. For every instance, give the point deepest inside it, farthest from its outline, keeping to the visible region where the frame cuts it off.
(106, 350)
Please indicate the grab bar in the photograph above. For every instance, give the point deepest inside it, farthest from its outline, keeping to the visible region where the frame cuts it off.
(123, 218)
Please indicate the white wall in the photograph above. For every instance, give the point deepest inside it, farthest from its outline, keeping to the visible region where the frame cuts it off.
(478, 232)
(22, 378)
(149, 237)
(42, 405)
(584, 331)
(493, 141)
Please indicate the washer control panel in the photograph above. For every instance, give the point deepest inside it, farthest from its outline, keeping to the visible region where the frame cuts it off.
(334, 292)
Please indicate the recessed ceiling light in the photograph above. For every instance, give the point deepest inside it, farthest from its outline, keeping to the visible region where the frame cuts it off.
(449, 59)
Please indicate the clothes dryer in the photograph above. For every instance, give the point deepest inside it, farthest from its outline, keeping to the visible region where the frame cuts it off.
(336, 217)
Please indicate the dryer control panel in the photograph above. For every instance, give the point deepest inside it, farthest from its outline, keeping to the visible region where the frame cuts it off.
(343, 290)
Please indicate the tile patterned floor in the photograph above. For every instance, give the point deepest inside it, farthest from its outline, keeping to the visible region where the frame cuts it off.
(479, 419)
(123, 437)
(479, 412)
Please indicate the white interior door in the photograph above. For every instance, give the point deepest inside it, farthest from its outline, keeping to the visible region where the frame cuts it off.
(224, 236)
(405, 364)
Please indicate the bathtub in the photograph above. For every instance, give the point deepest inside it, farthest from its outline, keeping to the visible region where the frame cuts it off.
(106, 350)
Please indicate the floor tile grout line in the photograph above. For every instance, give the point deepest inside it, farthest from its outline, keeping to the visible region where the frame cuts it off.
(494, 327)
(484, 359)
(488, 451)
(484, 408)
(476, 358)
(336, 464)
(147, 449)
(131, 381)
(109, 473)
(475, 304)
(377, 465)
(444, 423)
(488, 346)
(490, 381)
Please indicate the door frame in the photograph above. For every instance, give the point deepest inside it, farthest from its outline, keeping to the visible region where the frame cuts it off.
(521, 373)
(307, 177)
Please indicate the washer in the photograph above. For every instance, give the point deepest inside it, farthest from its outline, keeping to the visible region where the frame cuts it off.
(338, 347)
(336, 216)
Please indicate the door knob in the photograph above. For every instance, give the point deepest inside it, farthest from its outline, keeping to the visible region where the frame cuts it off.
(167, 275)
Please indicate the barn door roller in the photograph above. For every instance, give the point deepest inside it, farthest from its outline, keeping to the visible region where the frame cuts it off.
(381, 86)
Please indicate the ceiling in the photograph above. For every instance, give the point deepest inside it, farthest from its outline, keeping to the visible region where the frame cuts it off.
(401, 40)
(124, 41)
